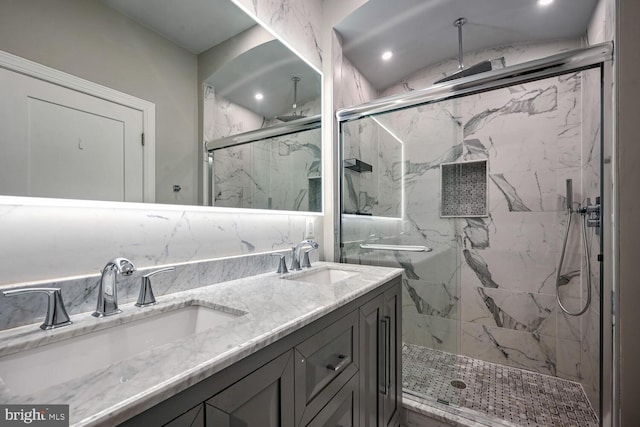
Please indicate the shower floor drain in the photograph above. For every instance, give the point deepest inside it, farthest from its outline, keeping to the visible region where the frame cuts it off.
(459, 384)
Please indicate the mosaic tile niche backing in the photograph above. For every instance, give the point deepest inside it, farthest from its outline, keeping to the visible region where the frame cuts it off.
(464, 189)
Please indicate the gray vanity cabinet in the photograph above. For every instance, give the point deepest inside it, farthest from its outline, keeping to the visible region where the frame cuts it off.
(343, 369)
(381, 360)
(262, 398)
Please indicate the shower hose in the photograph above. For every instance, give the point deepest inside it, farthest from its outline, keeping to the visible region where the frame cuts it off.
(588, 263)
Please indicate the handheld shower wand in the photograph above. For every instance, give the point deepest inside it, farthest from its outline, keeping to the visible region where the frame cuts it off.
(570, 211)
(569, 197)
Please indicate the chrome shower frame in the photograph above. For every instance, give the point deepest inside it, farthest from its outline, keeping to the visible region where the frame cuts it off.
(562, 63)
(596, 56)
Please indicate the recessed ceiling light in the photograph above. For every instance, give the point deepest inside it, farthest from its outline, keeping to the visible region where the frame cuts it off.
(259, 96)
(387, 55)
(544, 2)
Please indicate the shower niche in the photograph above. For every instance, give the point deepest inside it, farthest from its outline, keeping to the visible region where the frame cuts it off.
(464, 189)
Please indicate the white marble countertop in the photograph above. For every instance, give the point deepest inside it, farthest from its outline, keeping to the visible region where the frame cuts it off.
(274, 307)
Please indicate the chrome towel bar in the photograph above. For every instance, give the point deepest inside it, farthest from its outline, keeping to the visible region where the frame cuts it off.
(405, 248)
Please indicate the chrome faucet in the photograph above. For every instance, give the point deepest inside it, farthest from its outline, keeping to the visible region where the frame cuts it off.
(295, 254)
(107, 291)
(56, 314)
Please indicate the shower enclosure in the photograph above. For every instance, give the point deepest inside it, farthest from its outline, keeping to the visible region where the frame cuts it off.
(464, 185)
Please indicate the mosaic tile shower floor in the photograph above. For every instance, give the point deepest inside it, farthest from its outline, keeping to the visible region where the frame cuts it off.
(519, 397)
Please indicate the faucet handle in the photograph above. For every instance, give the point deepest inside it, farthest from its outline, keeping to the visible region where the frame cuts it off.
(146, 297)
(282, 264)
(306, 262)
(295, 262)
(56, 313)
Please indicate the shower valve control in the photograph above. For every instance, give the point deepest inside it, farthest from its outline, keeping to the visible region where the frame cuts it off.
(592, 211)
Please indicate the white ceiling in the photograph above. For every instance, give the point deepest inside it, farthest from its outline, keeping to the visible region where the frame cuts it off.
(195, 25)
(421, 32)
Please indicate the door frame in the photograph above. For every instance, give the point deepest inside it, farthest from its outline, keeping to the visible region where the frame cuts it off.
(42, 72)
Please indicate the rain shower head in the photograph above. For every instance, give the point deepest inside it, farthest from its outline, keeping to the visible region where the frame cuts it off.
(293, 116)
(464, 72)
(480, 67)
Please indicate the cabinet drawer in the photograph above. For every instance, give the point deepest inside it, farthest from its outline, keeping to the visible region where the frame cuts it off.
(342, 409)
(324, 363)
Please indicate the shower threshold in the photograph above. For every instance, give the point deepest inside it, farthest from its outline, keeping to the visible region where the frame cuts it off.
(460, 390)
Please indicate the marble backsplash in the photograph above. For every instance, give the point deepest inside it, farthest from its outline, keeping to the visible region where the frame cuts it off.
(42, 242)
(80, 294)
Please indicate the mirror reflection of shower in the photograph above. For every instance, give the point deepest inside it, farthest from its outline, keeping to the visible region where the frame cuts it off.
(590, 215)
(294, 115)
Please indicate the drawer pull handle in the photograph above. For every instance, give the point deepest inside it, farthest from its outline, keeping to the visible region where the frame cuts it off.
(384, 359)
(345, 360)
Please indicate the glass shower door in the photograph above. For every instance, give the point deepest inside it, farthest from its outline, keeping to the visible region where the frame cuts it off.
(391, 216)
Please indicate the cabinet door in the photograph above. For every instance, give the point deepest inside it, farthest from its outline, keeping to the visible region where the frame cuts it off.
(392, 353)
(263, 398)
(192, 418)
(371, 340)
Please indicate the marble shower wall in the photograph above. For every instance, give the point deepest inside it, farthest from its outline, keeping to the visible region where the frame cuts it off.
(488, 288)
(296, 22)
(353, 88)
(377, 192)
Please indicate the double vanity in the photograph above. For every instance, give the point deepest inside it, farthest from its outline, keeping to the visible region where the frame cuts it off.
(315, 347)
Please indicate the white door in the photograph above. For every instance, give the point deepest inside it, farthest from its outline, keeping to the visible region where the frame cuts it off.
(59, 142)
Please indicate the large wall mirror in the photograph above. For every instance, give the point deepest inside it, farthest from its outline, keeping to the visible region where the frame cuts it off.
(209, 107)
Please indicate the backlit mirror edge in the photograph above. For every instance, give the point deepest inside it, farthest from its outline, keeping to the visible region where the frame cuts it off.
(101, 204)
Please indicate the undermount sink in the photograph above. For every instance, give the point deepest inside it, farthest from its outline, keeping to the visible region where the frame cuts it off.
(45, 366)
(327, 276)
